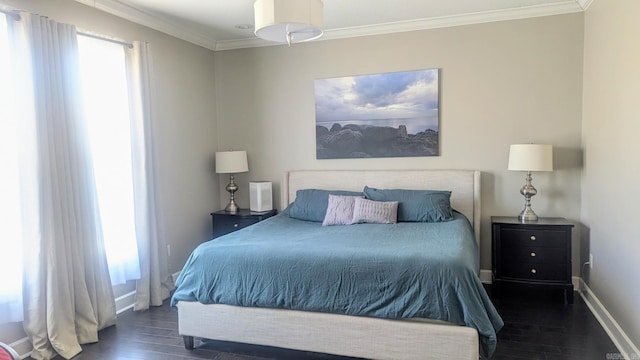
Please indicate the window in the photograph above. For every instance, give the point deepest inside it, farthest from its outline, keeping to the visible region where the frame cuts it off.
(105, 91)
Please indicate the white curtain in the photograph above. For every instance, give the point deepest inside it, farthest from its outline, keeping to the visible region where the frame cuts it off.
(67, 290)
(10, 208)
(108, 119)
(155, 282)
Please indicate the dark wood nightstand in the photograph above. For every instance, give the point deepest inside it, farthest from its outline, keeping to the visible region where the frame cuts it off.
(534, 253)
(224, 222)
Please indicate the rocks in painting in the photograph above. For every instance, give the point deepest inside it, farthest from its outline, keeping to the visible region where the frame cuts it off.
(381, 134)
(363, 141)
(321, 131)
(403, 131)
(344, 141)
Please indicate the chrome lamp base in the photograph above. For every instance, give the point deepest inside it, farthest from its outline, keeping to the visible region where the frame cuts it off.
(527, 215)
(232, 207)
(528, 191)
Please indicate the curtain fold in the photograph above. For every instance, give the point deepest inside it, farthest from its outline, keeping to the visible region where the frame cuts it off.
(67, 290)
(10, 206)
(155, 283)
(104, 85)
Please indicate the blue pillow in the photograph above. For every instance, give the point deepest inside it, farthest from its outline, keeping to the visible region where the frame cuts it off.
(311, 204)
(416, 205)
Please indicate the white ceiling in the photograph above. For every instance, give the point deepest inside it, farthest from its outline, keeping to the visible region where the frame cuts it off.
(213, 23)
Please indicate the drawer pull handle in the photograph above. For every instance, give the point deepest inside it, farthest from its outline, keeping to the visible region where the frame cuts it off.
(533, 254)
(533, 271)
(235, 225)
(533, 238)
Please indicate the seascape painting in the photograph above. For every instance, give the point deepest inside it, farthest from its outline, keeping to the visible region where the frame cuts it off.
(380, 115)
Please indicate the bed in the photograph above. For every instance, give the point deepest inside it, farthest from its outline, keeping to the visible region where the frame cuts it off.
(373, 328)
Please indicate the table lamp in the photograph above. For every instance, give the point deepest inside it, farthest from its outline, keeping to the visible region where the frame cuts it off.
(231, 162)
(530, 157)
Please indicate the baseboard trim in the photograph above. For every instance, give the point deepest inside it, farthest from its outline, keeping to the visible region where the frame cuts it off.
(486, 276)
(22, 347)
(620, 339)
(575, 280)
(125, 302)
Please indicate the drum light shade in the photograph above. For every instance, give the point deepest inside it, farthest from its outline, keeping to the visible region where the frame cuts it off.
(288, 21)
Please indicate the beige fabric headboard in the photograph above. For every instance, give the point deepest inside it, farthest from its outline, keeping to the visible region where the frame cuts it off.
(463, 184)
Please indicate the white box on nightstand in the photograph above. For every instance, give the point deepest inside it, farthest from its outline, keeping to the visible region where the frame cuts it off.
(260, 195)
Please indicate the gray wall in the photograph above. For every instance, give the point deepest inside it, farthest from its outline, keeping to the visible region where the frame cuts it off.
(612, 168)
(501, 83)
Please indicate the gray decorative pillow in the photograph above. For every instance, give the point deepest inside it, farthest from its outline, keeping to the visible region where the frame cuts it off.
(339, 210)
(376, 212)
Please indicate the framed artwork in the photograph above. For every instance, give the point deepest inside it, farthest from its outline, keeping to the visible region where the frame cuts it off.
(380, 115)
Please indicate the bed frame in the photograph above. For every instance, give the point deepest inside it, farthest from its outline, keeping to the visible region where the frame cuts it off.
(355, 336)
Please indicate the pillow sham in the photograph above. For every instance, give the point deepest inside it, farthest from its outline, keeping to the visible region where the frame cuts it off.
(416, 205)
(340, 210)
(375, 212)
(311, 204)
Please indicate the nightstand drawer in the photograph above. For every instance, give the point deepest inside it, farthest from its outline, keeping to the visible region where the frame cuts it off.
(225, 223)
(533, 237)
(532, 255)
(531, 271)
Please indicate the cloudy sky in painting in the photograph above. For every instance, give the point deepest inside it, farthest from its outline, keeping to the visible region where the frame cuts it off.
(382, 96)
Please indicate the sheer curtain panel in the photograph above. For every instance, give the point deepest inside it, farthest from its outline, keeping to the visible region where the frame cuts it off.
(67, 290)
(10, 208)
(108, 119)
(155, 282)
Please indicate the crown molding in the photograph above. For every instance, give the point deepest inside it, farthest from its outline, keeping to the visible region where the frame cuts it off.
(566, 7)
(455, 20)
(167, 26)
(584, 4)
(153, 21)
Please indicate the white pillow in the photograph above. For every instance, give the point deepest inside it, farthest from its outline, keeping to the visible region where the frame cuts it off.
(339, 210)
(376, 212)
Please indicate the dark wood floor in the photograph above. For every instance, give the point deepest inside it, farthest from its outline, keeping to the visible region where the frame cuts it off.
(537, 326)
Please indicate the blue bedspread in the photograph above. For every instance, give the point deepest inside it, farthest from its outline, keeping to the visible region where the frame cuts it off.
(404, 270)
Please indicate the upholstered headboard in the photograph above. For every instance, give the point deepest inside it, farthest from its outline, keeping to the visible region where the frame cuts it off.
(463, 184)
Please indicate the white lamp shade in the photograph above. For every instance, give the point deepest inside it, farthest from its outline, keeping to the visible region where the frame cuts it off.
(231, 162)
(276, 19)
(531, 157)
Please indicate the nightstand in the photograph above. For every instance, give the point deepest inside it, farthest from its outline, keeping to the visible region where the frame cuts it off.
(224, 222)
(534, 253)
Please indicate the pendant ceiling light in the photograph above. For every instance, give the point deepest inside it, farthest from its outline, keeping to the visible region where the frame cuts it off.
(288, 21)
